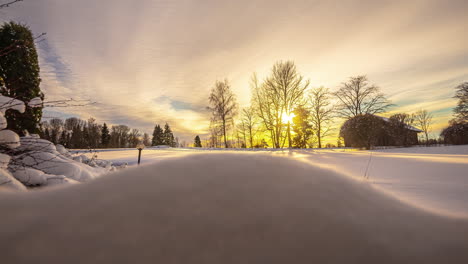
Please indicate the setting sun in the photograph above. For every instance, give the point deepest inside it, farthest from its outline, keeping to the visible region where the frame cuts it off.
(287, 118)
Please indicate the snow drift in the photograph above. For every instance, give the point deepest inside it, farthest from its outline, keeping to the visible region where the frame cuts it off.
(224, 208)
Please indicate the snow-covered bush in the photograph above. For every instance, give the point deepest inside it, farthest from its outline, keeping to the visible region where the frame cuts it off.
(32, 161)
(42, 155)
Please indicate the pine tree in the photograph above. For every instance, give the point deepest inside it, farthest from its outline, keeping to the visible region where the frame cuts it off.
(168, 137)
(105, 135)
(157, 136)
(197, 143)
(19, 72)
(302, 127)
(64, 138)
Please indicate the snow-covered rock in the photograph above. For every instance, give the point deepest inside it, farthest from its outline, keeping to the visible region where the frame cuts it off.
(33, 177)
(62, 150)
(8, 182)
(9, 139)
(29, 176)
(3, 121)
(4, 160)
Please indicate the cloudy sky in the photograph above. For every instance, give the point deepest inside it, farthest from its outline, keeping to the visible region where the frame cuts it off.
(154, 61)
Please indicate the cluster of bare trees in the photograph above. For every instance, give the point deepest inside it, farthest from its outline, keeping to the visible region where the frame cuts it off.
(286, 112)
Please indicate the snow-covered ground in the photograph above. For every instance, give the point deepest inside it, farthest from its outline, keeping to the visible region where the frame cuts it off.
(228, 207)
(201, 206)
(433, 178)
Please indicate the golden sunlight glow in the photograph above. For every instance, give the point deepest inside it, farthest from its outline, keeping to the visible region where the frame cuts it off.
(287, 118)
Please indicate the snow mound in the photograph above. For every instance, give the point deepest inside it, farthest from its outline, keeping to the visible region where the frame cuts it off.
(9, 139)
(43, 155)
(11, 103)
(8, 182)
(225, 208)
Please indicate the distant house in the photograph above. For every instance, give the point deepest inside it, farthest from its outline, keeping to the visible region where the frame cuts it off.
(395, 138)
(372, 130)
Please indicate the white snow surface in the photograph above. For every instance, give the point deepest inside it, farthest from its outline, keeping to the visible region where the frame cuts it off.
(9, 138)
(432, 178)
(3, 121)
(235, 207)
(35, 102)
(43, 155)
(11, 103)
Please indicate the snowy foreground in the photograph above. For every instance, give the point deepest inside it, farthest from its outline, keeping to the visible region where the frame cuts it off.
(433, 178)
(198, 206)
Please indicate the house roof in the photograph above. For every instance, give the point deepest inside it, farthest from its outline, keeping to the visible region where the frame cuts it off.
(412, 128)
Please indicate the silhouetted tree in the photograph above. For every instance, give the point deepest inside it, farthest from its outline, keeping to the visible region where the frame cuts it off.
(321, 112)
(423, 120)
(278, 96)
(249, 122)
(461, 110)
(290, 86)
(197, 142)
(157, 136)
(105, 136)
(362, 131)
(134, 137)
(456, 133)
(168, 136)
(224, 106)
(358, 97)
(120, 136)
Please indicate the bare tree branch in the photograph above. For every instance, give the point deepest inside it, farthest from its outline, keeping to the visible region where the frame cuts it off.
(9, 3)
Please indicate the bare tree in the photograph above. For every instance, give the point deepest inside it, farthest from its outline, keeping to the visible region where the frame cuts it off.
(277, 98)
(248, 122)
(290, 86)
(358, 97)
(146, 139)
(224, 106)
(9, 3)
(423, 121)
(268, 107)
(461, 111)
(134, 137)
(119, 136)
(321, 112)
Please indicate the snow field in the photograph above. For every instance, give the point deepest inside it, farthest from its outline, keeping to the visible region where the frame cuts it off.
(225, 208)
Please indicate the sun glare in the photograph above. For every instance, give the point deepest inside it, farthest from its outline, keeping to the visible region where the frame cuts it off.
(287, 118)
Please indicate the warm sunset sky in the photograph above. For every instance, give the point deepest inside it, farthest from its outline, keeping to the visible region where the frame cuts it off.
(150, 61)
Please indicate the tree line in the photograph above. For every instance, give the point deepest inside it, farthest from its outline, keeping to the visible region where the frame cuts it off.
(286, 111)
(76, 133)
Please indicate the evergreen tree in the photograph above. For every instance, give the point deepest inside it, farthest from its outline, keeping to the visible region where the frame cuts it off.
(64, 139)
(197, 143)
(105, 135)
(168, 137)
(19, 72)
(46, 134)
(157, 136)
(302, 127)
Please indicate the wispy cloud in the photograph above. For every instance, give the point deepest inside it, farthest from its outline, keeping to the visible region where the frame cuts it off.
(155, 61)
